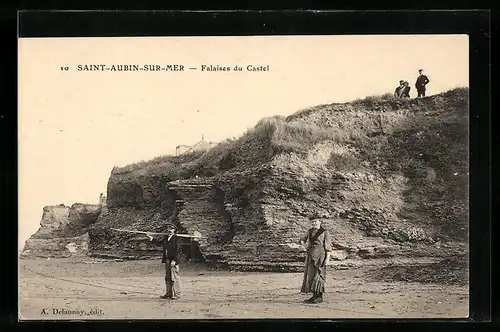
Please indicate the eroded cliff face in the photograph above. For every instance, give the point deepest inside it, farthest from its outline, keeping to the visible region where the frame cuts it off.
(388, 178)
(63, 231)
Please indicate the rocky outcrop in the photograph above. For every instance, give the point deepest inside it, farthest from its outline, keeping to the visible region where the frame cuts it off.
(63, 231)
(388, 178)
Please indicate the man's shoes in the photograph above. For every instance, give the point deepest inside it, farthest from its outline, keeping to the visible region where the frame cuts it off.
(168, 297)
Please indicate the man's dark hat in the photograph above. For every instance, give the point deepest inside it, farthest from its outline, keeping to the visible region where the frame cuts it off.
(401, 81)
(170, 226)
(420, 70)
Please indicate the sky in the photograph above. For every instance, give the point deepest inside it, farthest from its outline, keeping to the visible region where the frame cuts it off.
(74, 126)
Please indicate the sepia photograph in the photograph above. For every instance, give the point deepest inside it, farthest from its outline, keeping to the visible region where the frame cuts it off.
(243, 177)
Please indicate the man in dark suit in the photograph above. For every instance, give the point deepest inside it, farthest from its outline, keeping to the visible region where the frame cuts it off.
(171, 255)
(421, 82)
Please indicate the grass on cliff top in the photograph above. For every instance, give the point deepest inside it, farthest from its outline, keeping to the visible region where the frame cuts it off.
(388, 101)
(376, 98)
(298, 136)
(388, 97)
(259, 144)
(165, 160)
(270, 136)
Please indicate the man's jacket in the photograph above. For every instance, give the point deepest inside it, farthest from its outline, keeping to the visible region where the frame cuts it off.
(421, 82)
(171, 248)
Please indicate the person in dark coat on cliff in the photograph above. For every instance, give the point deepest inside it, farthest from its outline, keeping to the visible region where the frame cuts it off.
(171, 255)
(405, 93)
(318, 248)
(399, 89)
(422, 81)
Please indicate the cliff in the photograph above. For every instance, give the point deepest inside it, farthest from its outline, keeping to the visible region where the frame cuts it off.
(63, 231)
(388, 177)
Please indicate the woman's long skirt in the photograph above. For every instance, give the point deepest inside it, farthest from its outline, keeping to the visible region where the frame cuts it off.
(314, 273)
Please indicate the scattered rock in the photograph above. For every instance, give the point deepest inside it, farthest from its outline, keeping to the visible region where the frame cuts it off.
(339, 255)
(71, 247)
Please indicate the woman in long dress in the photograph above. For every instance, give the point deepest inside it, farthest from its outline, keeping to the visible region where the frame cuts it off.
(318, 247)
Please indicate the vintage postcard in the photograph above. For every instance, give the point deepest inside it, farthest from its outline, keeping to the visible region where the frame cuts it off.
(243, 177)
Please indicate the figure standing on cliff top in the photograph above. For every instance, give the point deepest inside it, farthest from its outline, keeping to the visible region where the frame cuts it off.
(422, 81)
(405, 93)
(318, 247)
(171, 254)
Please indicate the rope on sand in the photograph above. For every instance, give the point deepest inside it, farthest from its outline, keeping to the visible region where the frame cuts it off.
(81, 282)
(198, 294)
